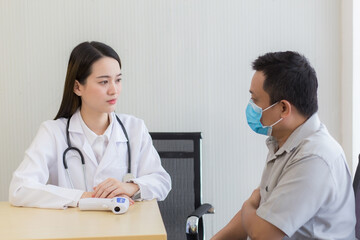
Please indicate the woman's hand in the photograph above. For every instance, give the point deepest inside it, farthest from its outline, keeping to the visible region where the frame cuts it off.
(87, 195)
(112, 187)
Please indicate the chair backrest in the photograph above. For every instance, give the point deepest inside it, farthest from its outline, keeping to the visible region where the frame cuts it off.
(356, 185)
(180, 155)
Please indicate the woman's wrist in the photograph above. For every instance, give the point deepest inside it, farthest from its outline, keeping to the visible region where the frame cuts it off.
(134, 188)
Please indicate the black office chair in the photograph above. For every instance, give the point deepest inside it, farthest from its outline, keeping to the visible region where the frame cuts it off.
(182, 210)
(356, 185)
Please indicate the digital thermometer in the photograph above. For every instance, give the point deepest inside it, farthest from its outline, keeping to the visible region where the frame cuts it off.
(117, 205)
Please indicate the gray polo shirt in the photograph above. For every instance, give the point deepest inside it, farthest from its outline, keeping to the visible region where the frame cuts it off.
(306, 187)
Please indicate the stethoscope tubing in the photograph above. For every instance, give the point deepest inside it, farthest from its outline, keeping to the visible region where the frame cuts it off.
(127, 143)
(69, 148)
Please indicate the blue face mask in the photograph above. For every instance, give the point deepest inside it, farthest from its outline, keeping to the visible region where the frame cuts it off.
(253, 116)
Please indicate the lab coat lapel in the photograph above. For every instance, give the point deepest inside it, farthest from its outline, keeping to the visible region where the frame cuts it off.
(80, 141)
(89, 152)
(112, 152)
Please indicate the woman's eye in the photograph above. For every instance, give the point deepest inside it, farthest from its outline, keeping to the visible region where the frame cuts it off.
(104, 82)
(118, 80)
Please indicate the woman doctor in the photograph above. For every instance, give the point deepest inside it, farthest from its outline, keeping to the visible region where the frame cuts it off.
(92, 88)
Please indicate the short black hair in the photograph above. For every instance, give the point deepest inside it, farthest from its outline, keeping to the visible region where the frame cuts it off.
(289, 76)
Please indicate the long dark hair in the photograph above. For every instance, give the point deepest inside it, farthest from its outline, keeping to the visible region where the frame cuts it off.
(79, 68)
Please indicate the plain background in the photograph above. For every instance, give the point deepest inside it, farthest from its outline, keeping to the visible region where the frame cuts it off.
(186, 67)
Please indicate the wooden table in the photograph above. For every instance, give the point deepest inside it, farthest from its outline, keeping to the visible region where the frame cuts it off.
(141, 222)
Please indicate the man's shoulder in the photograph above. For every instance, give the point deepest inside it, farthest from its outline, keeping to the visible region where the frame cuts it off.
(321, 144)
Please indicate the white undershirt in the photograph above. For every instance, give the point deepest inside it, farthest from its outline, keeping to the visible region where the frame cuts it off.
(98, 143)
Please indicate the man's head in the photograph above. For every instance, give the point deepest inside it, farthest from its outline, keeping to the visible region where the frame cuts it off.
(289, 76)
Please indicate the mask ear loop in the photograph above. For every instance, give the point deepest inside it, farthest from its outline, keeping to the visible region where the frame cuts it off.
(277, 120)
(270, 106)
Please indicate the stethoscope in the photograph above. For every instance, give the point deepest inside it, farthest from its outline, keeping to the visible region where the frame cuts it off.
(126, 178)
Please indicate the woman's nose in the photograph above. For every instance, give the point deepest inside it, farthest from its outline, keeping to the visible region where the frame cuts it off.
(112, 88)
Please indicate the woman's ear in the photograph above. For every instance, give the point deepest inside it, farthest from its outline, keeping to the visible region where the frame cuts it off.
(286, 108)
(77, 88)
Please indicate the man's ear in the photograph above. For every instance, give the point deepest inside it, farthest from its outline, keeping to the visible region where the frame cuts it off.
(77, 88)
(286, 108)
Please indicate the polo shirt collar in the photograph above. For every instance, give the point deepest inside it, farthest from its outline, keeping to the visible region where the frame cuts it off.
(306, 129)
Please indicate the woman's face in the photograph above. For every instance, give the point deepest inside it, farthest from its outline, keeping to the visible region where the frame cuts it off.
(102, 87)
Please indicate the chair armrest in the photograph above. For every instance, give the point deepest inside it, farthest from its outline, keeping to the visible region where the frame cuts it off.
(203, 209)
(192, 221)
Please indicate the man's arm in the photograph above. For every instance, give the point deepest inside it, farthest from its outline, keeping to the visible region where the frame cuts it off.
(247, 223)
(256, 227)
(233, 230)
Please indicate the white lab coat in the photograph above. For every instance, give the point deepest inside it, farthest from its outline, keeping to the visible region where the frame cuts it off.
(41, 180)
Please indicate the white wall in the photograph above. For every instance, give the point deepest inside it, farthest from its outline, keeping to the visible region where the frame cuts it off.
(348, 114)
(186, 67)
(355, 134)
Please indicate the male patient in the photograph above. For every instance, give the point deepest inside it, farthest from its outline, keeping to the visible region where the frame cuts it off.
(306, 188)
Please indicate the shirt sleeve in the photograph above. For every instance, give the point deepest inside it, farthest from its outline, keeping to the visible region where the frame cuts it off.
(304, 187)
